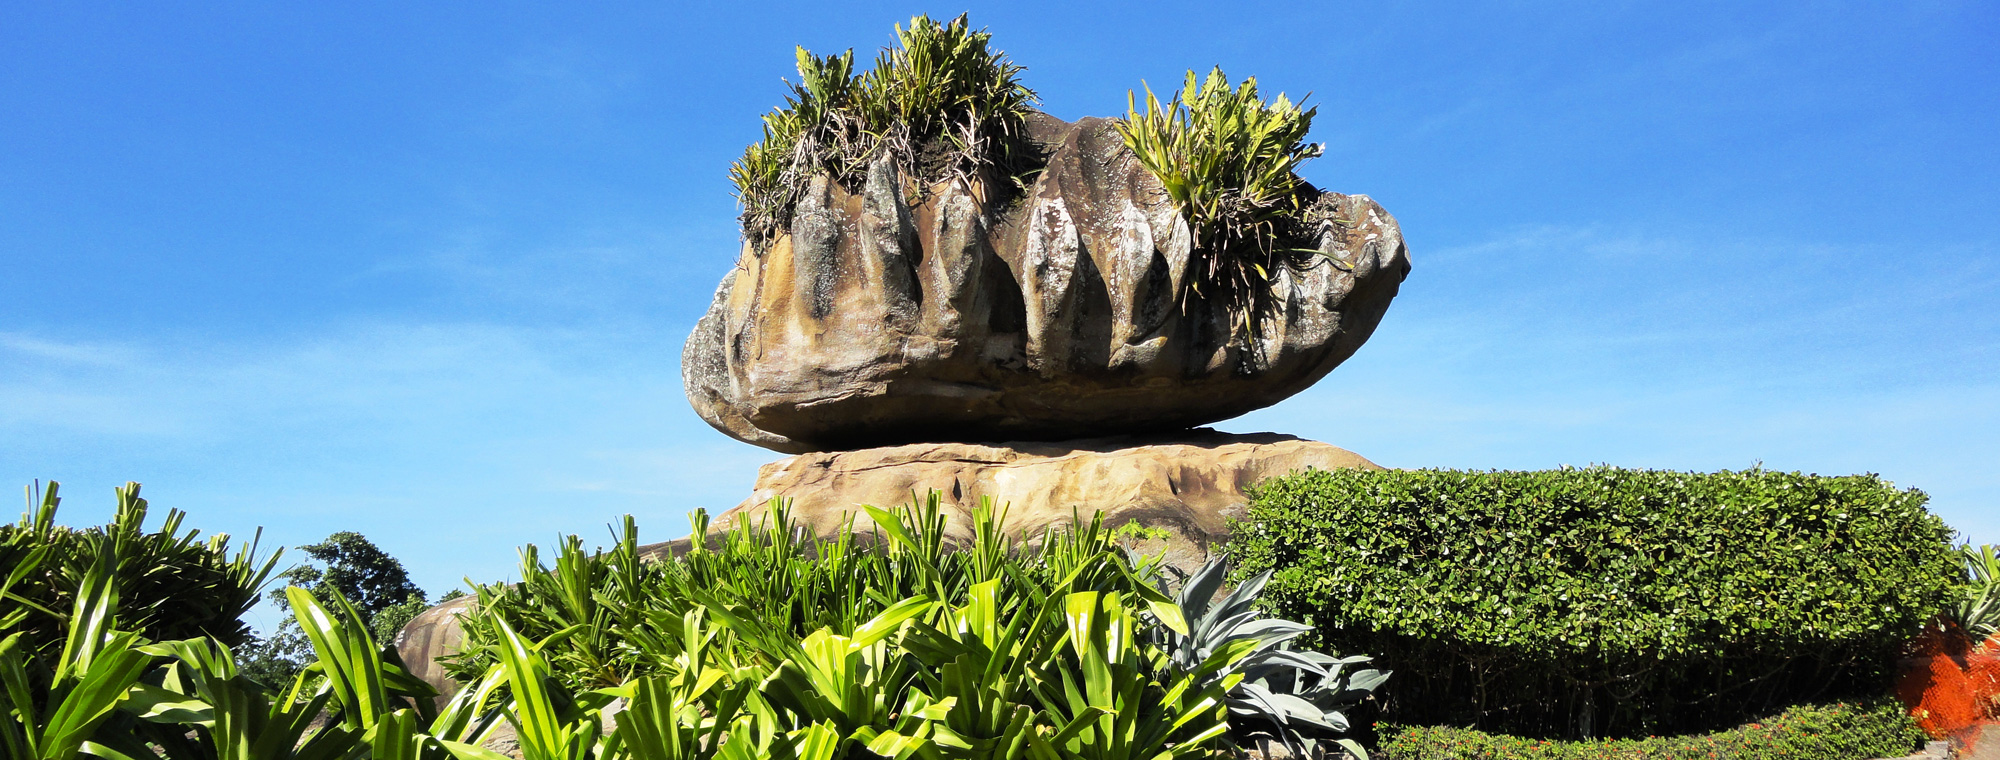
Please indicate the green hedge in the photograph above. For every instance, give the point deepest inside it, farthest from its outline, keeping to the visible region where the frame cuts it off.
(1820, 732)
(1601, 602)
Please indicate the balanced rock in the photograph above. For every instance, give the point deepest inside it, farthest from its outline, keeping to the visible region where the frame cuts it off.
(1186, 486)
(1051, 315)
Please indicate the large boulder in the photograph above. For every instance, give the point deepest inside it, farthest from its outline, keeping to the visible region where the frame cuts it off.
(1184, 488)
(432, 634)
(982, 315)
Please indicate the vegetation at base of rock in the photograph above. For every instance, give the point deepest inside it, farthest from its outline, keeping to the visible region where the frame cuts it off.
(1000, 643)
(942, 104)
(174, 583)
(1229, 161)
(782, 575)
(1602, 602)
(1043, 658)
(1836, 731)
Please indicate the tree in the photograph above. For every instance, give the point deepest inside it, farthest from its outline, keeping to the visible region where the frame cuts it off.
(376, 584)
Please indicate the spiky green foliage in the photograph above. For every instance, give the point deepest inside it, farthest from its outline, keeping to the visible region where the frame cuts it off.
(1978, 613)
(174, 583)
(1295, 697)
(612, 602)
(941, 104)
(892, 642)
(1229, 161)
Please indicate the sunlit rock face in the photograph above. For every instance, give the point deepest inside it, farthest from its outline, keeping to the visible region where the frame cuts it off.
(1047, 314)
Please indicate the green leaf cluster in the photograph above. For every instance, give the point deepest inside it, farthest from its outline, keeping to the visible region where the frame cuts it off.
(1229, 161)
(786, 577)
(1978, 612)
(941, 104)
(893, 642)
(1602, 601)
(174, 583)
(1025, 667)
(1834, 731)
(1289, 696)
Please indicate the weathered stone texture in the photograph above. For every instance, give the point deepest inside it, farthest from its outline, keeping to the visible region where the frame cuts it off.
(1043, 317)
(1190, 484)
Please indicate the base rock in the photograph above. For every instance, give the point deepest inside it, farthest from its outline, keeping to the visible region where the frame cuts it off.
(1190, 484)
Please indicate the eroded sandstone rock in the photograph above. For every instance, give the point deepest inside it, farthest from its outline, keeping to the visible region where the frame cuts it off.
(1190, 484)
(1048, 316)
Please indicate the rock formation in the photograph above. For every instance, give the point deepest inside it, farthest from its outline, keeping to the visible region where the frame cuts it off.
(1189, 484)
(1052, 318)
(1048, 316)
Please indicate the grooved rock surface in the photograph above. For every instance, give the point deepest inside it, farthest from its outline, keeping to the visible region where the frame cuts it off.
(1189, 484)
(432, 634)
(1044, 317)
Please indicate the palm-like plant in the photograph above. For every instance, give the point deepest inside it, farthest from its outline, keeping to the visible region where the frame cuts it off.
(173, 583)
(1296, 697)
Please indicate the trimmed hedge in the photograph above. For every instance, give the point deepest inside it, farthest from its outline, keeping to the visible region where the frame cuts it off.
(1601, 602)
(1816, 732)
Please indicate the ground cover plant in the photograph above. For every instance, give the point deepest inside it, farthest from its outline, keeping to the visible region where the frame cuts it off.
(1603, 602)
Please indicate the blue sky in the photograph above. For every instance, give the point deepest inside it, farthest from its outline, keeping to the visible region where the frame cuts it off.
(425, 272)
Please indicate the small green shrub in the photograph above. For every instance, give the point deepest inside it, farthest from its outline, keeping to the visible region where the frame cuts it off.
(1229, 160)
(1602, 602)
(941, 104)
(1839, 731)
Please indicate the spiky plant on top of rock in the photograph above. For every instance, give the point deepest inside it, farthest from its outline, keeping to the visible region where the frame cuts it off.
(942, 104)
(1229, 160)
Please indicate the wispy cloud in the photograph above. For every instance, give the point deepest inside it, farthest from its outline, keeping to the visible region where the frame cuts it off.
(450, 444)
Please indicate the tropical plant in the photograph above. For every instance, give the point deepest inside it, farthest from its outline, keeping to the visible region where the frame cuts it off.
(941, 105)
(1101, 692)
(1296, 697)
(52, 710)
(614, 603)
(1229, 162)
(1978, 613)
(173, 582)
